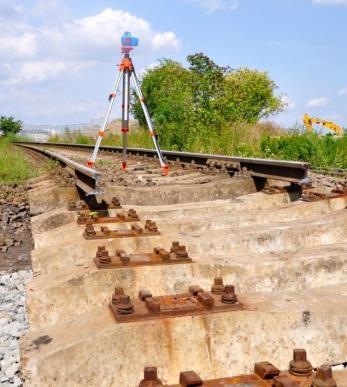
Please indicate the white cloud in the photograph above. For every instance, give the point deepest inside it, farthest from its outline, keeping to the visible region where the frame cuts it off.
(39, 53)
(342, 91)
(22, 45)
(51, 61)
(330, 2)
(165, 39)
(100, 34)
(317, 102)
(39, 71)
(212, 6)
(288, 102)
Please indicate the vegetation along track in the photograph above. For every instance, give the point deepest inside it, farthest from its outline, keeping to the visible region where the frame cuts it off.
(283, 249)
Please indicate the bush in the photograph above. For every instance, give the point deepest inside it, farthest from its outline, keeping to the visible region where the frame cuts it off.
(321, 151)
(191, 107)
(8, 126)
(14, 167)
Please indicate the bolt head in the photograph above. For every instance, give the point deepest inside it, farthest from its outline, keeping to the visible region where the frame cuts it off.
(324, 372)
(299, 355)
(218, 281)
(151, 373)
(229, 289)
(190, 379)
(118, 291)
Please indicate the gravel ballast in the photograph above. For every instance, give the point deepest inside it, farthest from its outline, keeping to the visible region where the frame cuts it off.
(13, 324)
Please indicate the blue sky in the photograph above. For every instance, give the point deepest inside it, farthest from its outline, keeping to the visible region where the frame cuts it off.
(58, 59)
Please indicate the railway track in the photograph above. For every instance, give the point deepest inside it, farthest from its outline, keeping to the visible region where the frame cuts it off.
(209, 269)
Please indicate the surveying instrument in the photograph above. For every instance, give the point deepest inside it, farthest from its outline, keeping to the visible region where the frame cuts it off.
(127, 71)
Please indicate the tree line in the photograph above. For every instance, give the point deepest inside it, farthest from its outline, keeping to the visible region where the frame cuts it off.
(192, 106)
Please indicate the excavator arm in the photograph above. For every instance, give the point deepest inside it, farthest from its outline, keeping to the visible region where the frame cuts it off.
(308, 122)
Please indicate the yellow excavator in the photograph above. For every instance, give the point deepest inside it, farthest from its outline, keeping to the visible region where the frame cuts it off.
(308, 122)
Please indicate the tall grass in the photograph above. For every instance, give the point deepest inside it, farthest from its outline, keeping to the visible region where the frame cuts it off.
(321, 151)
(15, 167)
(137, 138)
(266, 140)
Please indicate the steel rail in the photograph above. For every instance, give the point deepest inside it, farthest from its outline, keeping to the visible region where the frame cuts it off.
(86, 178)
(291, 171)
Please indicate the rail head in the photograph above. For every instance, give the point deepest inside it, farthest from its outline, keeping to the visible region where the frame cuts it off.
(291, 171)
(86, 178)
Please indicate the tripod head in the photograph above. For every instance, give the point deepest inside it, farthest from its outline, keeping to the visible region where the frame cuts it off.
(128, 42)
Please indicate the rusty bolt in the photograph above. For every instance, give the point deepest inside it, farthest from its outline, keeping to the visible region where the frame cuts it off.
(137, 228)
(89, 230)
(152, 305)
(300, 366)
(164, 255)
(115, 201)
(206, 299)
(116, 295)
(124, 258)
(150, 378)
(101, 251)
(181, 252)
(195, 290)
(217, 287)
(105, 230)
(125, 306)
(284, 381)
(229, 297)
(174, 247)
(105, 259)
(190, 379)
(324, 377)
(143, 294)
(266, 370)
(151, 226)
(132, 213)
(82, 218)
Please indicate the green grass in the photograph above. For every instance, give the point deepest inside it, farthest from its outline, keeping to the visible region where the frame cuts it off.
(15, 167)
(266, 140)
(320, 151)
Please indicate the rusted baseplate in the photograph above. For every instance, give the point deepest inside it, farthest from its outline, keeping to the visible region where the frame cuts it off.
(94, 218)
(300, 374)
(135, 231)
(312, 196)
(81, 205)
(178, 255)
(147, 307)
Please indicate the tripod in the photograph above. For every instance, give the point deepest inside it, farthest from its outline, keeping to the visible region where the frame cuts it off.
(127, 71)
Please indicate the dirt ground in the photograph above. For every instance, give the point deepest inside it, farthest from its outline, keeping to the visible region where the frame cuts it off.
(15, 235)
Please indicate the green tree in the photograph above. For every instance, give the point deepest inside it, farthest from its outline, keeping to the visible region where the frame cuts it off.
(191, 107)
(168, 96)
(249, 95)
(207, 80)
(8, 125)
